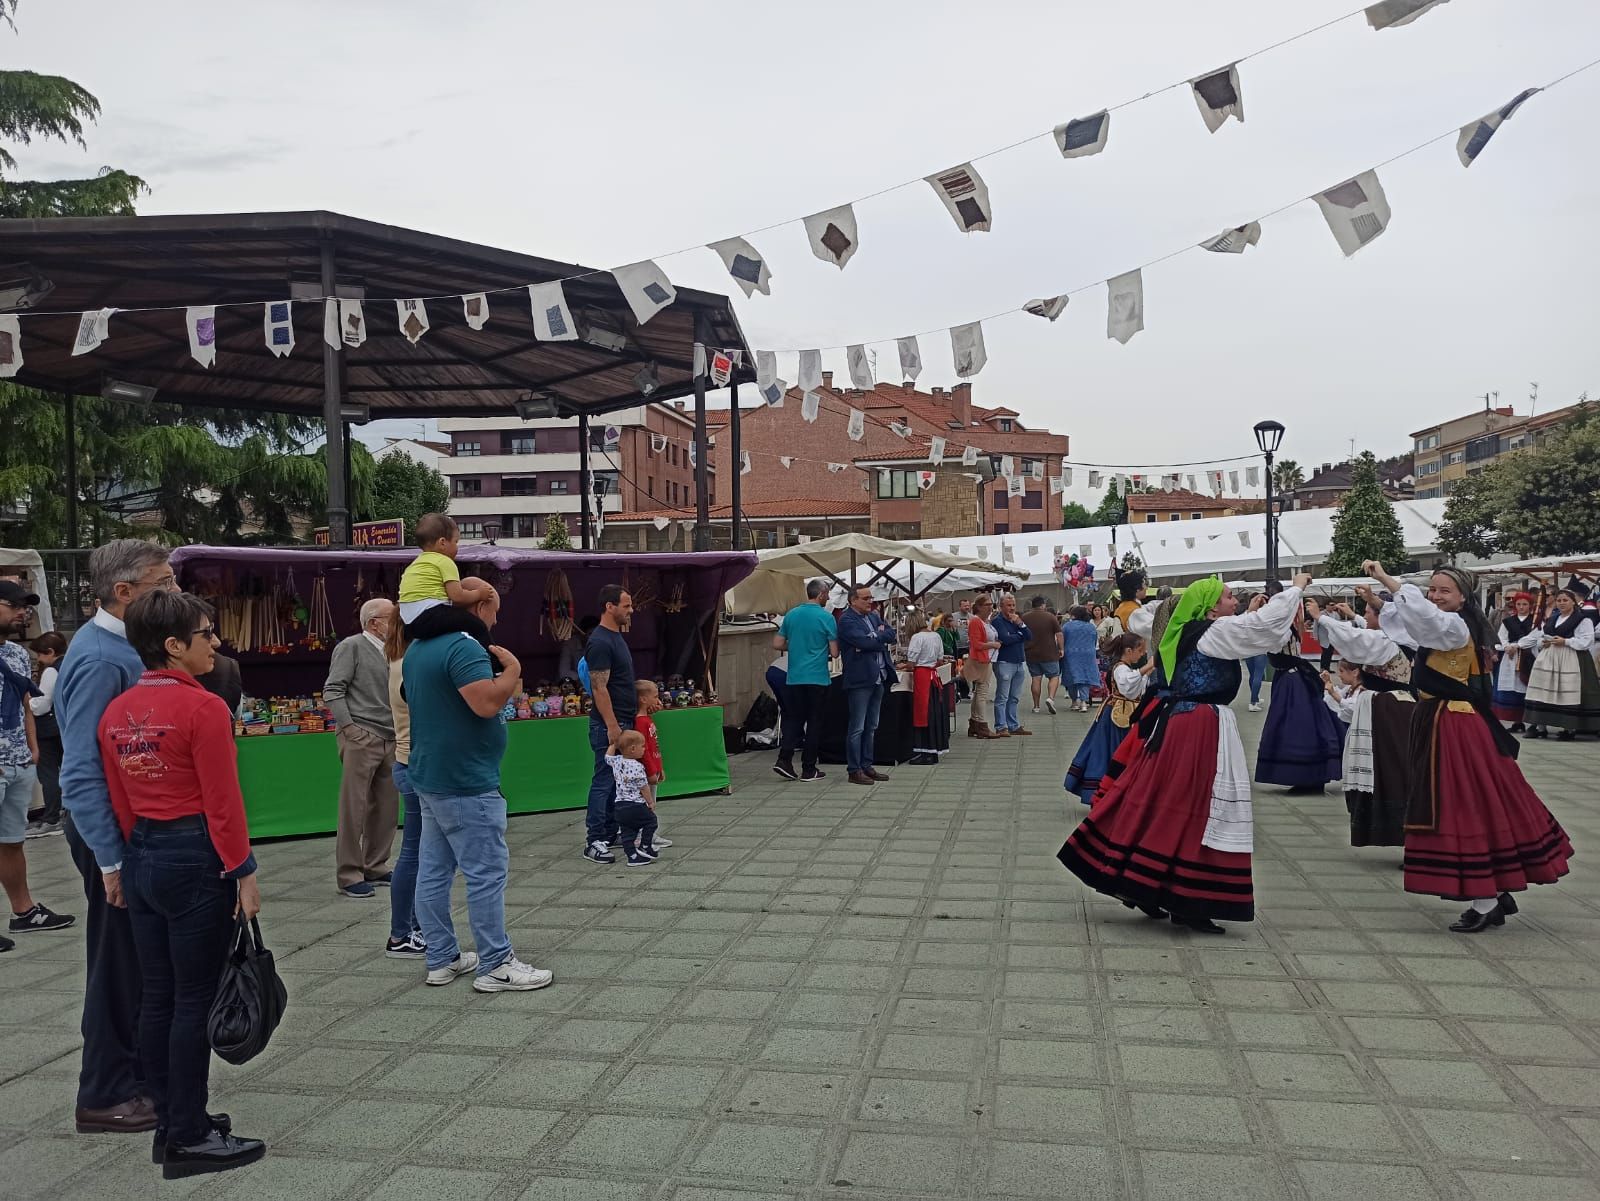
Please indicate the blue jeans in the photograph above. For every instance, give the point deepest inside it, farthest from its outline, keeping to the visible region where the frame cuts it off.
(862, 733)
(601, 825)
(403, 884)
(1258, 672)
(181, 912)
(1079, 692)
(1007, 693)
(469, 832)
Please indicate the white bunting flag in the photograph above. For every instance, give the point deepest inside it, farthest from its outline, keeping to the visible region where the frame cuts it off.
(1389, 13)
(1111, 550)
(1094, 479)
(1125, 305)
(745, 264)
(1218, 96)
(692, 455)
(475, 308)
(900, 429)
(966, 344)
(1066, 476)
(1036, 469)
(1244, 537)
(810, 405)
(344, 324)
(721, 369)
(1188, 482)
(1475, 137)
(1083, 550)
(744, 462)
(786, 460)
(1356, 211)
(965, 196)
(1119, 484)
(1233, 482)
(1216, 483)
(1008, 466)
(1233, 241)
(94, 327)
(936, 450)
(1032, 551)
(766, 368)
(773, 393)
(1138, 481)
(552, 318)
(697, 367)
(413, 318)
(1005, 553)
(202, 323)
(969, 457)
(1048, 307)
(1252, 476)
(837, 467)
(661, 523)
(1056, 486)
(910, 358)
(1189, 542)
(277, 326)
(658, 443)
(645, 287)
(925, 480)
(810, 377)
(833, 235)
(1083, 136)
(860, 366)
(10, 345)
(857, 429)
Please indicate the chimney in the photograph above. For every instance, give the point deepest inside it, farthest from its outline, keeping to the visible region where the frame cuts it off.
(1327, 467)
(679, 405)
(961, 402)
(936, 393)
(827, 379)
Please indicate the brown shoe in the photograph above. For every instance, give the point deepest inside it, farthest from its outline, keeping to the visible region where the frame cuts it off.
(1022, 733)
(875, 774)
(860, 777)
(131, 1117)
(1000, 734)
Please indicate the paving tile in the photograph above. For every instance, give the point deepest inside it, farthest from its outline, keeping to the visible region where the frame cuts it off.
(1050, 1110)
(666, 1086)
(1017, 1169)
(1199, 1176)
(1335, 1124)
(1429, 1079)
(1326, 1181)
(802, 1094)
(1156, 1064)
(902, 1163)
(956, 1053)
(1287, 1071)
(650, 1140)
(1188, 1118)
(785, 1154)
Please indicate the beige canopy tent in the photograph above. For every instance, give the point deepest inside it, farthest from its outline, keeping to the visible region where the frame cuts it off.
(27, 566)
(779, 580)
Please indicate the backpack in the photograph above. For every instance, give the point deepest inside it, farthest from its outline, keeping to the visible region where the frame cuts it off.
(583, 675)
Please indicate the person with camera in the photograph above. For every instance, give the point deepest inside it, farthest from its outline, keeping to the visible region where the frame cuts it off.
(187, 872)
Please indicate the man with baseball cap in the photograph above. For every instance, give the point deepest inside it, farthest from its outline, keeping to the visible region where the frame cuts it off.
(19, 758)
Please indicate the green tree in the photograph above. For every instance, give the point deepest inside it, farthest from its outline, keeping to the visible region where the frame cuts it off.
(213, 475)
(1287, 476)
(1540, 501)
(556, 536)
(1075, 517)
(1365, 526)
(1113, 509)
(405, 488)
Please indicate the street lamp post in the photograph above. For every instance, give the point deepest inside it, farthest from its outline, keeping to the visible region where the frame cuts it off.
(1269, 436)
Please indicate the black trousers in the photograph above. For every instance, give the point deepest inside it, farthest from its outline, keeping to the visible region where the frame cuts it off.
(50, 775)
(111, 992)
(802, 720)
(638, 821)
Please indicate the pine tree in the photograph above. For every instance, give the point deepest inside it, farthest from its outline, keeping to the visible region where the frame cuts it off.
(1366, 527)
(556, 536)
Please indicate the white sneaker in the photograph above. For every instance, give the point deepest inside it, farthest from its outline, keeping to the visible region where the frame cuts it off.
(1036, 708)
(465, 962)
(513, 976)
(1255, 707)
(658, 841)
(1050, 705)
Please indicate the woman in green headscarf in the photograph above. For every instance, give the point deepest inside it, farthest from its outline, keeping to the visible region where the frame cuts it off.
(1172, 835)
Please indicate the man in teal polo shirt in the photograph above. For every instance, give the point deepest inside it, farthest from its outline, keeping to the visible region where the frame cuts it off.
(811, 637)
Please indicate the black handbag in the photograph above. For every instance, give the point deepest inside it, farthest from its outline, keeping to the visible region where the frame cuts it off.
(250, 997)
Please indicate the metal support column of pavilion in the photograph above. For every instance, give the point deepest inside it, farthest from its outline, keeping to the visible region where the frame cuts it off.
(332, 418)
(584, 485)
(736, 468)
(702, 466)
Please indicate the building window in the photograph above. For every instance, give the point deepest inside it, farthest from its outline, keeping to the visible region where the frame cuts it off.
(1031, 527)
(519, 485)
(1453, 457)
(1001, 500)
(521, 525)
(470, 530)
(468, 450)
(672, 453)
(1427, 442)
(469, 487)
(1149, 518)
(897, 485)
(900, 531)
(1006, 425)
(520, 444)
(558, 487)
(1196, 516)
(1033, 500)
(672, 492)
(1002, 527)
(1517, 442)
(605, 483)
(650, 487)
(1429, 468)
(1174, 516)
(1028, 466)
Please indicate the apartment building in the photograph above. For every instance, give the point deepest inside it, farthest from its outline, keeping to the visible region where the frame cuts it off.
(507, 476)
(1464, 446)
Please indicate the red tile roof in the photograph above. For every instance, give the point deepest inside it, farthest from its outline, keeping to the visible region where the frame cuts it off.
(1178, 498)
(757, 510)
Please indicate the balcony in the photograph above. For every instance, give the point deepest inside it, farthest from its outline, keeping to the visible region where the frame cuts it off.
(496, 506)
(513, 464)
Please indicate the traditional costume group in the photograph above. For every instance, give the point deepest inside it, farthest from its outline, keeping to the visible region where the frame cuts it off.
(1563, 691)
(1302, 742)
(1425, 763)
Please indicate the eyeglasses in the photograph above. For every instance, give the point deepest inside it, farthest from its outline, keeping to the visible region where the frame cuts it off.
(209, 632)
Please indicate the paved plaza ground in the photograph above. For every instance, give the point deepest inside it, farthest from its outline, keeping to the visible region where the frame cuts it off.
(830, 991)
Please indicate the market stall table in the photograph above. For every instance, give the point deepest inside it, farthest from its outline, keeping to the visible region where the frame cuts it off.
(291, 781)
(893, 743)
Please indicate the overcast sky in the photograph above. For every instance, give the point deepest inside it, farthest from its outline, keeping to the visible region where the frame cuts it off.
(602, 134)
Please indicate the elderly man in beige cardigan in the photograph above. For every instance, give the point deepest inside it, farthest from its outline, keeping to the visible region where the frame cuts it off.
(357, 691)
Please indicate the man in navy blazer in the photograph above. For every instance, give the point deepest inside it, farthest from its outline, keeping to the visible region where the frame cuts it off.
(864, 642)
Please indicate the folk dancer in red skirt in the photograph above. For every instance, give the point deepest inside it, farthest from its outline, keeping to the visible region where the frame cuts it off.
(1377, 747)
(1172, 834)
(1475, 830)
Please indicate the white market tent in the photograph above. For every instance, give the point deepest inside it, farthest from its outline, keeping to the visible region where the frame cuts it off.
(779, 580)
(1177, 552)
(28, 563)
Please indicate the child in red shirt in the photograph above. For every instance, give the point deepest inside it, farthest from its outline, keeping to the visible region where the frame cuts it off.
(650, 702)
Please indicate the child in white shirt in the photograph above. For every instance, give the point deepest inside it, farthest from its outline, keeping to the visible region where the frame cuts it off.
(637, 819)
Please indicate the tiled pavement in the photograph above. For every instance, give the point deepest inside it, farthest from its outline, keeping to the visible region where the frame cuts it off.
(830, 992)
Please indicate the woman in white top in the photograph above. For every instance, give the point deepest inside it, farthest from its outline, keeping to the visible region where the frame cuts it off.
(1563, 690)
(930, 716)
(1516, 660)
(48, 648)
(1475, 830)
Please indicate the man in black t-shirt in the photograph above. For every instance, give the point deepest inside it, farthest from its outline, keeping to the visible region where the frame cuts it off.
(616, 704)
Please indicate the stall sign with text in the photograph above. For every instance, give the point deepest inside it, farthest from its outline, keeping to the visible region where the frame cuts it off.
(371, 534)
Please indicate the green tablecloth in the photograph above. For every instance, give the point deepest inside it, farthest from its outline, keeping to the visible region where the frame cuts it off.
(291, 781)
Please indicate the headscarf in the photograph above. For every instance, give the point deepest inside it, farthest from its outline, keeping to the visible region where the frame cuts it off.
(1198, 600)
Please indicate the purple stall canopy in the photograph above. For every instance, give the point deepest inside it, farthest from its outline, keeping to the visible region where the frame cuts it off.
(677, 601)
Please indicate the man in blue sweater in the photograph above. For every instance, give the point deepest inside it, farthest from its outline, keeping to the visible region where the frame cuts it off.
(864, 642)
(99, 665)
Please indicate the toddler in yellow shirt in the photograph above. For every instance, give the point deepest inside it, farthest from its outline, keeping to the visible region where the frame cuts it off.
(434, 599)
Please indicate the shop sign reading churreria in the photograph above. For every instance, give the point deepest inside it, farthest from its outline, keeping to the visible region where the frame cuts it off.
(388, 534)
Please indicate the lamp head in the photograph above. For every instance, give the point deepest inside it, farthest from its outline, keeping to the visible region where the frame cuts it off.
(1269, 435)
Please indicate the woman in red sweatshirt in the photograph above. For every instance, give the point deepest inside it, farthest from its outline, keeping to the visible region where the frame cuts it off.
(187, 871)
